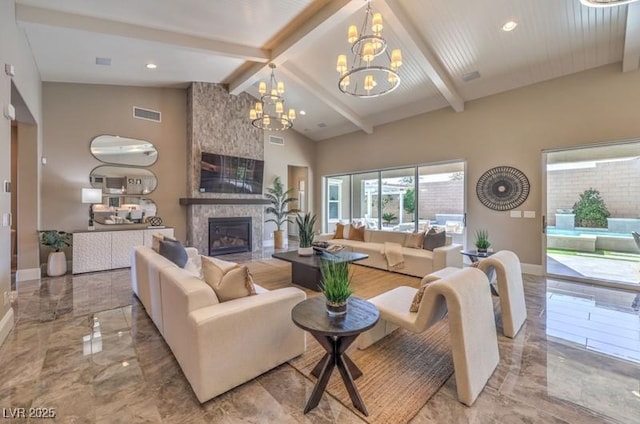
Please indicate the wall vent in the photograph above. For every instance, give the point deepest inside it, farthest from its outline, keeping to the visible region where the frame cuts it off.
(276, 140)
(149, 115)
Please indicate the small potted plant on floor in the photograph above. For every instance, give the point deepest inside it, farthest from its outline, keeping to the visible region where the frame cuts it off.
(305, 233)
(57, 260)
(280, 200)
(336, 285)
(482, 241)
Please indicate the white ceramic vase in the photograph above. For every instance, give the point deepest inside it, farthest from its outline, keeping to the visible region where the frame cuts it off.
(56, 264)
(305, 251)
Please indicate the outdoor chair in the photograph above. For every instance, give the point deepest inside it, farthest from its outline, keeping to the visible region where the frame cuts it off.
(510, 289)
(465, 297)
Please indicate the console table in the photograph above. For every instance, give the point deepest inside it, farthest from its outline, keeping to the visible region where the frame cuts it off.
(102, 250)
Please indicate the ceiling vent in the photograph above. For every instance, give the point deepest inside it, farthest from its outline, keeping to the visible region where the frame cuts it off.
(149, 115)
(276, 140)
(470, 76)
(104, 61)
(322, 125)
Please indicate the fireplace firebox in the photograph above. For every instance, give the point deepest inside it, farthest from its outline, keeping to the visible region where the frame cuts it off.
(229, 235)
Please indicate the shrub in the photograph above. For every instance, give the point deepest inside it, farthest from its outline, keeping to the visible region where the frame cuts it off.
(590, 210)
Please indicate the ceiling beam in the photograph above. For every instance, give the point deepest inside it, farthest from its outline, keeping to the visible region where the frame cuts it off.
(300, 77)
(631, 55)
(403, 26)
(86, 23)
(300, 38)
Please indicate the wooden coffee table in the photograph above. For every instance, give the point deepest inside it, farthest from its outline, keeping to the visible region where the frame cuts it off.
(305, 270)
(335, 335)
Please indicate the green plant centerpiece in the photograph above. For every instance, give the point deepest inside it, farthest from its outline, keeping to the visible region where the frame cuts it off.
(306, 225)
(336, 285)
(482, 241)
(279, 199)
(590, 210)
(57, 260)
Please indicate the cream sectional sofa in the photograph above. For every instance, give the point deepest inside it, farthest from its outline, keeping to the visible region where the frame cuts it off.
(417, 262)
(218, 345)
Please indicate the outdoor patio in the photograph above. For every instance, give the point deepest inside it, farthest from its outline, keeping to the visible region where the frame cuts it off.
(614, 266)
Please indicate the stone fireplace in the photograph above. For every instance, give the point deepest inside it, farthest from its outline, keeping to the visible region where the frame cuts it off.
(229, 235)
(217, 123)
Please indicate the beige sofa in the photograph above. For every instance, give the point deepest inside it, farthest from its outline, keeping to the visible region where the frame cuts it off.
(218, 345)
(417, 262)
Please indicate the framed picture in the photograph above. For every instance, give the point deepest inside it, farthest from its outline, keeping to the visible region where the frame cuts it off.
(130, 181)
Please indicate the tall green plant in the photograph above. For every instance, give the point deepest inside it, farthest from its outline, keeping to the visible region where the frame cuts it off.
(305, 229)
(590, 210)
(409, 201)
(336, 281)
(57, 240)
(280, 200)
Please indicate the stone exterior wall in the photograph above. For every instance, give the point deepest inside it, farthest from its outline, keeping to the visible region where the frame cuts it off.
(616, 181)
(217, 122)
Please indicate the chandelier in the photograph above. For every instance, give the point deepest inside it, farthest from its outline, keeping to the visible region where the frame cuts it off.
(605, 3)
(268, 113)
(373, 71)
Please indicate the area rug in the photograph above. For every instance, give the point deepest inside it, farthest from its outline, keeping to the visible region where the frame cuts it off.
(400, 372)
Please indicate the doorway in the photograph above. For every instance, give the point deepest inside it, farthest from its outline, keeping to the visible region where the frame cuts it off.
(298, 183)
(592, 204)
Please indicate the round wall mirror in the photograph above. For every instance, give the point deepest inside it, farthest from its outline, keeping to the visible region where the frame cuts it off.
(123, 150)
(123, 181)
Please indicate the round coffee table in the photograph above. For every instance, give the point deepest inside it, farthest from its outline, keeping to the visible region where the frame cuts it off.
(335, 335)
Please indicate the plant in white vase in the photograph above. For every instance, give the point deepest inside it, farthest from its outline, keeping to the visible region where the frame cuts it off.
(57, 260)
(306, 223)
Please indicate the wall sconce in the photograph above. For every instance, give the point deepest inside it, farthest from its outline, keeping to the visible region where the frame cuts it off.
(91, 196)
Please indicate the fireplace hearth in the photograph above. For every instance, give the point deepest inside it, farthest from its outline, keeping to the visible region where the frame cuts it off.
(229, 235)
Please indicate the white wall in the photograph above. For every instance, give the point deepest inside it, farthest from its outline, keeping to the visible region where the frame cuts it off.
(510, 128)
(14, 49)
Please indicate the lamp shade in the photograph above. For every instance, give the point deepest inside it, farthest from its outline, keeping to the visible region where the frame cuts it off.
(91, 195)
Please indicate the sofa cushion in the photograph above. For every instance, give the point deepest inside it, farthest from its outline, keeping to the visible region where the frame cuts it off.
(414, 240)
(339, 231)
(228, 280)
(434, 239)
(356, 233)
(174, 251)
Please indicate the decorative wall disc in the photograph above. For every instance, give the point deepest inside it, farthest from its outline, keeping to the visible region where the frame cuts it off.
(503, 188)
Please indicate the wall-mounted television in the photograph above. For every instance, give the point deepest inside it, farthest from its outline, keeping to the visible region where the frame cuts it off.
(230, 174)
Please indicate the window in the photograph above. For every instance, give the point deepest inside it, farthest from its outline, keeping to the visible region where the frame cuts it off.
(335, 200)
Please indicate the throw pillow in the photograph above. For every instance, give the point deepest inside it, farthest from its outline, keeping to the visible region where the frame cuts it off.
(194, 267)
(227, 282)
(414, 240)
(157, 238)
(417, 299)
(339, 231)
(174, 251)
(356, 233)
(434, 239)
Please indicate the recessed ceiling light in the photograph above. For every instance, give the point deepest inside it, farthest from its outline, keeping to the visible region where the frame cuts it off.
(151, 66)
(509, 26)
(302, 112)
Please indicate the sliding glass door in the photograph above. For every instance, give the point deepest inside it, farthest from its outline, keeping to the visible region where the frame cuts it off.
(400, 199)
(592, 212)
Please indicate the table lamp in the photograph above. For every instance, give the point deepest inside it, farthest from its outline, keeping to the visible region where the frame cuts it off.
(91, 196)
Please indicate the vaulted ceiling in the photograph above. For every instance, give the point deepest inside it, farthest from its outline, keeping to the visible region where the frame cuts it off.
(232, 42)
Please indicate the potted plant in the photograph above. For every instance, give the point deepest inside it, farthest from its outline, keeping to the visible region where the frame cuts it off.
(482, 241)
(388, 217)
(336, 285)
(280, 200)
(305, 233)
(57, 260)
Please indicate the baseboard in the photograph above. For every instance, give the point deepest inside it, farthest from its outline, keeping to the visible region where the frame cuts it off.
(6, 325)
(27, 274)
(531, 269)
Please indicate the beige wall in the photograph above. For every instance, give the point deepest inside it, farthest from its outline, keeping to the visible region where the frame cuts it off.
(298, 150)
(76, 113)
(27, 197)
(512, 129)
(14, 49)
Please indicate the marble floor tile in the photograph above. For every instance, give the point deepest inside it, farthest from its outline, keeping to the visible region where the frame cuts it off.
(560, 368)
